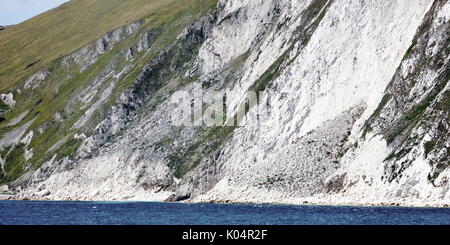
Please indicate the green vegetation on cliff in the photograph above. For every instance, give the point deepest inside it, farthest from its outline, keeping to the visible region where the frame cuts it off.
(43, 42)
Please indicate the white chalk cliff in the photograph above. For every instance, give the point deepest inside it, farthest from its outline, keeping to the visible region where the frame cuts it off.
(357, 94)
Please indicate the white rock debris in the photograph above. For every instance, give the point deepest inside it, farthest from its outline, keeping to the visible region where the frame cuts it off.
(36, 80)
(8, 99)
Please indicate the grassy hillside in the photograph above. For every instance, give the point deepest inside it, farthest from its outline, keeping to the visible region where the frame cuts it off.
(27, 47)
(51, 110)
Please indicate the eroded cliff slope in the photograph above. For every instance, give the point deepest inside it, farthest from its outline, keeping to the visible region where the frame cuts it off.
(355, 98)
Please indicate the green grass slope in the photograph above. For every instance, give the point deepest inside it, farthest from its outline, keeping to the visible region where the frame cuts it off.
(27, 47)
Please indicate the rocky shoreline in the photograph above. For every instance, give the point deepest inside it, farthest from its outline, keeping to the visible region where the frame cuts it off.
(4, 197)
(337, 204)
(306, 201)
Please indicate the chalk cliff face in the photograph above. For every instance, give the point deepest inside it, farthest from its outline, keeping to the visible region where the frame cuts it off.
(356, 104)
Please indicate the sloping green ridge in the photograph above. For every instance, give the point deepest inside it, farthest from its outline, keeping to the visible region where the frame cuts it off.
(27, 47)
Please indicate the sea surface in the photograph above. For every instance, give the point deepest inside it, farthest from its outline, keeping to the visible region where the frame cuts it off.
(147, 213)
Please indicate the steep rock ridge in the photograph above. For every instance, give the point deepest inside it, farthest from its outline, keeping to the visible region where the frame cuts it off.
(330, 74)
(91, 52)
(356, 95)
(410, 125)
(271, 47)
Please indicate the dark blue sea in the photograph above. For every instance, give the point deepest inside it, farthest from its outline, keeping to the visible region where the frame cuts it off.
(147, 213)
